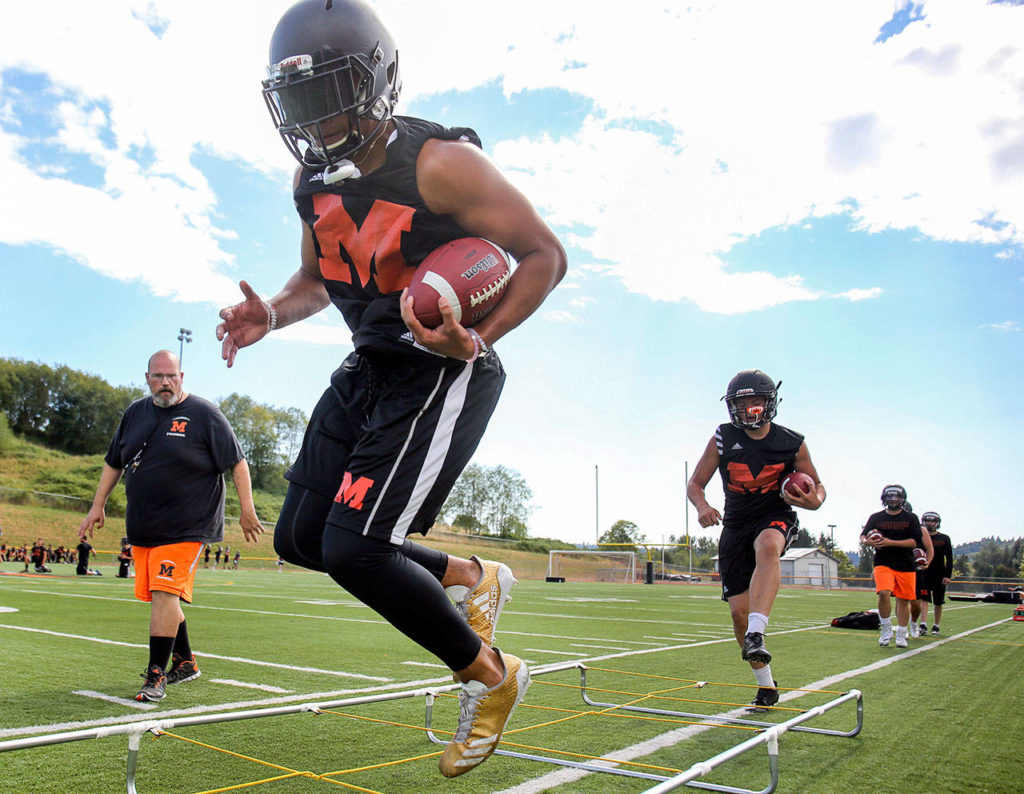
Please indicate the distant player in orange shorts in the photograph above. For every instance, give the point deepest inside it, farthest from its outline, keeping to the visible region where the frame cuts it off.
(173, 449)
(894, 533)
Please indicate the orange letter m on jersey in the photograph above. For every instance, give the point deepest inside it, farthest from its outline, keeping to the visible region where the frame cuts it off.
(353, 493)
(741, 480)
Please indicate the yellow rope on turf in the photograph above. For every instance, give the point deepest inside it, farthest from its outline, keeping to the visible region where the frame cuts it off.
(706, 683)
(291, 772)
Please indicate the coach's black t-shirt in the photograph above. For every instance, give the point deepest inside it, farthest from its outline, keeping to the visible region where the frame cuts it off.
(752, 471)
(176, 492)
(901, 526)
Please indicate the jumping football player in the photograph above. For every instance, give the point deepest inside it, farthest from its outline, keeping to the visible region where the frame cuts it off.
(405, 411)
(939, 572)
(895, 573)
(753, 455)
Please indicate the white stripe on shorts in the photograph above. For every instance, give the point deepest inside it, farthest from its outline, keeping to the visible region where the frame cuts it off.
(440, 442)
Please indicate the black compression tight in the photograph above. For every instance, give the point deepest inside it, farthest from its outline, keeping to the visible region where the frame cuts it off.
(402, 591)
(401, 583)
(298, 536)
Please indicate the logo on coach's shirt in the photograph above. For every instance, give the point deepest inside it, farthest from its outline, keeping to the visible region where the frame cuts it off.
(179, 425)
(353, 493)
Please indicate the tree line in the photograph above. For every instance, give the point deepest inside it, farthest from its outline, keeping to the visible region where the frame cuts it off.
(75, 412)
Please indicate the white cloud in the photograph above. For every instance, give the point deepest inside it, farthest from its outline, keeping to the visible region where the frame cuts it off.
(860, 294)
(1009, 326)
(711, 124)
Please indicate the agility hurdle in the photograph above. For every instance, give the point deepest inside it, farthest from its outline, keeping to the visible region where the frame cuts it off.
(768, 733)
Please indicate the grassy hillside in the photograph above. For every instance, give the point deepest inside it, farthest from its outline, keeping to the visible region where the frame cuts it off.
(45, 494)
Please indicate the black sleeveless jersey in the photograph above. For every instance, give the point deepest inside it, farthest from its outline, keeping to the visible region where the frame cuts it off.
(753, 469)
(371, 233)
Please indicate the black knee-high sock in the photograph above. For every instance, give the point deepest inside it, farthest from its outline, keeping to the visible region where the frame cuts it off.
(181, 644)
(160, 651)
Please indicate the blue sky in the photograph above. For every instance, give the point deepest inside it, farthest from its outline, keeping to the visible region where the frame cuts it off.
(836, 198)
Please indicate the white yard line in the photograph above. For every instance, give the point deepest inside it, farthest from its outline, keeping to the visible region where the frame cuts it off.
(240, 659)
(247, 685)
(132, 704)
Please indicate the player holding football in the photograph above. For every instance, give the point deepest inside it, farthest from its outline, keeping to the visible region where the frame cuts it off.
(893, 533)
(939, 572)
(405, 411)
(753, 455)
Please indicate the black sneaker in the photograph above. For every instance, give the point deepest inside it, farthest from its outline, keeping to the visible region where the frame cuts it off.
(754, 650)
(924, 629)
(182, 670)
(766, 698)
(153, 689)
(935, 629)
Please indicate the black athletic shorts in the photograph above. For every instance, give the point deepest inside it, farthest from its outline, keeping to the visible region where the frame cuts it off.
(736, 556)
(936, 591)
(391, 435)
(922, 586)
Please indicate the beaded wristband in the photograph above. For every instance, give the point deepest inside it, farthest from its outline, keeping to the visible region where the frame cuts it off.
(271, 317)
(479, 346)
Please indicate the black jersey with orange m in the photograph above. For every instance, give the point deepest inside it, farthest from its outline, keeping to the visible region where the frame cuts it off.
(372, 232)
(753, 469)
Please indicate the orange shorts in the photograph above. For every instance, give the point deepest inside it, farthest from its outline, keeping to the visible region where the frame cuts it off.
(170, 569)
(901, 584)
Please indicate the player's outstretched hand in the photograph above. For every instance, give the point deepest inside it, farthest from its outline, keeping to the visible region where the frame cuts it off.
(243, 324)
(449, 338)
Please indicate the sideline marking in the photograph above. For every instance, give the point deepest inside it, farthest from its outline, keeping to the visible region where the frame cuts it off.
(264, 687)
(380, 622)
(240, 659)
(8, 609)
(88, 693)
(563, 776)
(427, 664)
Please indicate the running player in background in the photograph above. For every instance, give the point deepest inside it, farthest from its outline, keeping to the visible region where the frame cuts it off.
(939, 571)
(893, 533)
(753, 456)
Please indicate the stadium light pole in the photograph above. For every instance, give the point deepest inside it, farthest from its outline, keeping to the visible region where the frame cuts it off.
(831, 538)
(597, 525)
(184, 335)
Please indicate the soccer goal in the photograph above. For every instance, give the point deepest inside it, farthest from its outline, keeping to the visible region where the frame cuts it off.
(592, 566)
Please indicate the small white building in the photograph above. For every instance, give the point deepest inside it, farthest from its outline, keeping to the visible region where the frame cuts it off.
(812, 567)
(808, 567)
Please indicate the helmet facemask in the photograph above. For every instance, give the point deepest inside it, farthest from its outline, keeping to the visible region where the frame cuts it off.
(931, 521)
(303, 98)
(894, 497)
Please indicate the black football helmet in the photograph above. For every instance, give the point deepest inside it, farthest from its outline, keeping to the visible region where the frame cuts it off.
(752, 383)
(931, 520)
(894, 497)
(330, 59)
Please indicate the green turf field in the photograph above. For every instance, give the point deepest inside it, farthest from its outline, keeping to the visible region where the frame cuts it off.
(943, 716)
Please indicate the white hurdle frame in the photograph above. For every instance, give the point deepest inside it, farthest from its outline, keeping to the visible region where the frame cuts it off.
(769, 737)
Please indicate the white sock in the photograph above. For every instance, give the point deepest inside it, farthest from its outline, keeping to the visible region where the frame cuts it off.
(764, 676)
(886, 622)
(757, 622)
(901, 629)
